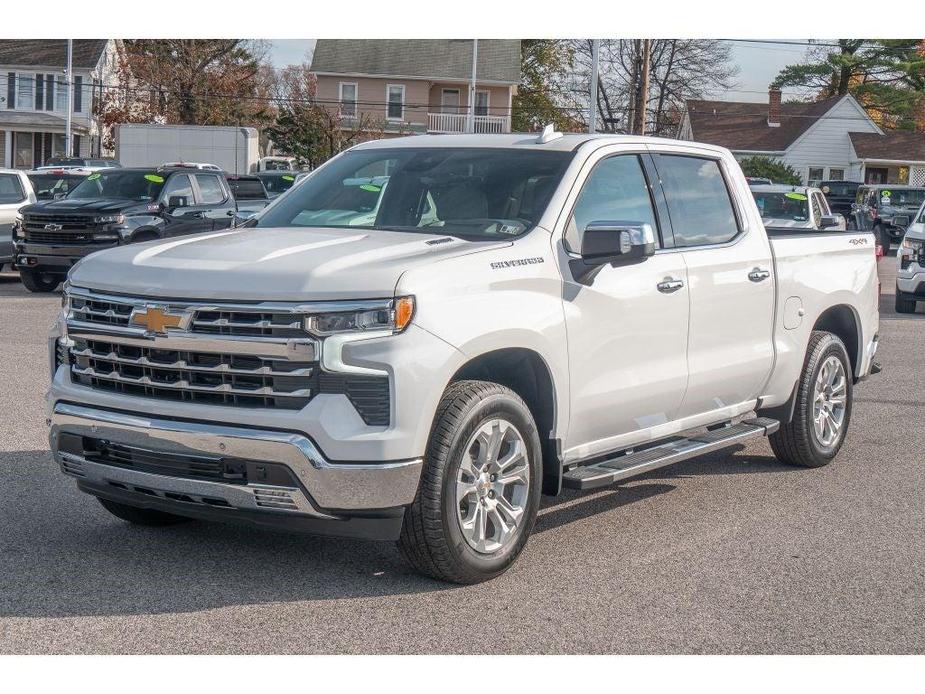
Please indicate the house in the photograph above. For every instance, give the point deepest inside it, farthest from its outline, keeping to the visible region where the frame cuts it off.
(418, 86)
(830, 139)
(33, 98)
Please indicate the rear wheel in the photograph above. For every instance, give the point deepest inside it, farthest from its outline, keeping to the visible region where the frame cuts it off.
(904, 303)
(142, 516)
(40, 282)
(823, 407)
(479, 493)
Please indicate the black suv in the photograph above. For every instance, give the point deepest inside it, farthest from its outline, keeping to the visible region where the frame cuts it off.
(840, 195)
(887, 210)
(114, 207)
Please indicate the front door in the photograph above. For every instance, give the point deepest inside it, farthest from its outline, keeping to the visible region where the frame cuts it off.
(627, 329)
(730, 270)
(186, 219)
(875, 175)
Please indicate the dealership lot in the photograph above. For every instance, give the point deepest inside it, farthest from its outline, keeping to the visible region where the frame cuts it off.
(729, 553)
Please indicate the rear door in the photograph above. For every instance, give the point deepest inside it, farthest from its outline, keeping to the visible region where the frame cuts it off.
(627, 330)
(214, 199)
(729, 269)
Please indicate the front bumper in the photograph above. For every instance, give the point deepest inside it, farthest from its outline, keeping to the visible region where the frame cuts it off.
(59, 257)
(911, 280)
(324, 497)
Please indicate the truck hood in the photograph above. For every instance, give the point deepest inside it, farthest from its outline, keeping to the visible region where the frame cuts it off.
(89, 206)
(269, 264)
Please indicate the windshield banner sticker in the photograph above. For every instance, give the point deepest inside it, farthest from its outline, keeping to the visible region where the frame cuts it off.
(154, 178)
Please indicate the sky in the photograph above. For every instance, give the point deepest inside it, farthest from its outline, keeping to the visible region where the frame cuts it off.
(758, 64)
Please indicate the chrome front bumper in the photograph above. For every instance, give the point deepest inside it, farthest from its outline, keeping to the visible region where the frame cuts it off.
(326, 490)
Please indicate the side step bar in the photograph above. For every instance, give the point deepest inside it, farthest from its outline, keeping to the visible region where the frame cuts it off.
(607, 472)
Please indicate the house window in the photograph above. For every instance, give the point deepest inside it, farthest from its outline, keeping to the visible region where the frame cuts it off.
(22, 150)
(39, 92)
(348, 99)
(481, 103)
(816, 173)
(11, 90)
(24, 90)
(75, 150)
(61, 97)
(49, 92)
(78, 94)
(836, 174)
(395, 97)
(449, 101)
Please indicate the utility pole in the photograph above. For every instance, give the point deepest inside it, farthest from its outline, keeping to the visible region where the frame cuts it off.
(642, 90)
(68, 139)
(470, 124)
(595, 68)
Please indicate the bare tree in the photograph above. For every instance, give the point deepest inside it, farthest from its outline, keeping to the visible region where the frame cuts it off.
(680, 69)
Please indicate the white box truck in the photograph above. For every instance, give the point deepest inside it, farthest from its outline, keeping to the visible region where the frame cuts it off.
(234, 149)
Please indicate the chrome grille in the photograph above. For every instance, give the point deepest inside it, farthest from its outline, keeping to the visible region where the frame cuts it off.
(68, 222)
(203, 377)
(63, 237)
(100, 310)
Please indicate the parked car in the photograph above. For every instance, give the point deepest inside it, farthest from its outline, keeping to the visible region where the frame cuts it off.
(910, 265)
(886, 210)
(758, 181)
(250, 196)
(795, 207)
(276, 164)
(15, 193)
(52, 184)
(115, 207)
(840, 195)
(575, 310)
(81, 163)
(277, 182)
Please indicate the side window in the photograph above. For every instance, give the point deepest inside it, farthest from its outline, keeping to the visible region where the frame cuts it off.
(698, 200)
(179, 184)
(822, 203)
(11, 190)
(210, 189)
(616, 190)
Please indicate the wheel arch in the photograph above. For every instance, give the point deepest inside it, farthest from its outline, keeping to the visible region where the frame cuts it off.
(842, 320)
(145, 233)
(526, 372)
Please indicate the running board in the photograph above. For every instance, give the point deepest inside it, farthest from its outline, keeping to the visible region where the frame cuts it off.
(607, 472)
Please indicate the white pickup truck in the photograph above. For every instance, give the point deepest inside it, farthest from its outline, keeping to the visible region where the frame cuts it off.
(522, 314)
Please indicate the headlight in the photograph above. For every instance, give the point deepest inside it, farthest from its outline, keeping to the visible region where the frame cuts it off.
(393, 316)
(111, 219)
(912, 246)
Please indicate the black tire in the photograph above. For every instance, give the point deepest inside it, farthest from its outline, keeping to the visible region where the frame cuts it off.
(142, 516)
(904, 304)
(796, 442)
(432, 540)
(40, 282)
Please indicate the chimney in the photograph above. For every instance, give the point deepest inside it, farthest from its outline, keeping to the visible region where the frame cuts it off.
(774, 106)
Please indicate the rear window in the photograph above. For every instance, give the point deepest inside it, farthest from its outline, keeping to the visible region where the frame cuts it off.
(47, 186)
(11, 189)
(698, 201)
(247, 188)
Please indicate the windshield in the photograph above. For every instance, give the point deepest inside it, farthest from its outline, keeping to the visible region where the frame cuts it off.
(840, 190)
(472, 193)
(47, 186)
(278, 184)
(120, 183)
(792, 206)
(902, 198)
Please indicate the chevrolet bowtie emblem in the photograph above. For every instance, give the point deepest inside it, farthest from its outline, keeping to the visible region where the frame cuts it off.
(156, 319)
(54, 227)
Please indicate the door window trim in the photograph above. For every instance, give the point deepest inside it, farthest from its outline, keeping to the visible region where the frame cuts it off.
(197, 191)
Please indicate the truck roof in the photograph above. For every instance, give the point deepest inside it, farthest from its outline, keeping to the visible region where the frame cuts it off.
(782, 188)
(563, 142)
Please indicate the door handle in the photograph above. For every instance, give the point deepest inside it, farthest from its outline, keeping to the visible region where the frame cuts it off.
(757, 275)
(669, 285)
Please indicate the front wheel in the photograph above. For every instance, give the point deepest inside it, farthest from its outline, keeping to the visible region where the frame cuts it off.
(40, 282)
(479, 492)
(825, 395)
(903, 303)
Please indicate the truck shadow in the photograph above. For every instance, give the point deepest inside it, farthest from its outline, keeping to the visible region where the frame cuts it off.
(63, 555)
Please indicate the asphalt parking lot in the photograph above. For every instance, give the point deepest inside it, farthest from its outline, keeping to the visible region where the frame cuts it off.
(731, 553)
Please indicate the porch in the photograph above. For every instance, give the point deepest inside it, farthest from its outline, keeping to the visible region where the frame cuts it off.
(457, 123)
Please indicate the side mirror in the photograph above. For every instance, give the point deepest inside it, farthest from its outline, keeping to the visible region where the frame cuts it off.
(177, 201)
(829, 221)
(612, 243)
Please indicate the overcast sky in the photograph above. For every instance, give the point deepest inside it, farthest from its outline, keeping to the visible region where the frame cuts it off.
(758, 64)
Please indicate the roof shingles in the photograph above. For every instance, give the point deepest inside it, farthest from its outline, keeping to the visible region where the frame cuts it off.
(498, 59)
(51, 52)
(893, 145)
(739, 125)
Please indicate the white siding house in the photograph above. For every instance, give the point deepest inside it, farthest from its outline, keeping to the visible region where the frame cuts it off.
(820, 140)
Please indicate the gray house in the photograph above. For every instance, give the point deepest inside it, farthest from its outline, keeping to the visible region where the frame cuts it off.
(33, 97)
